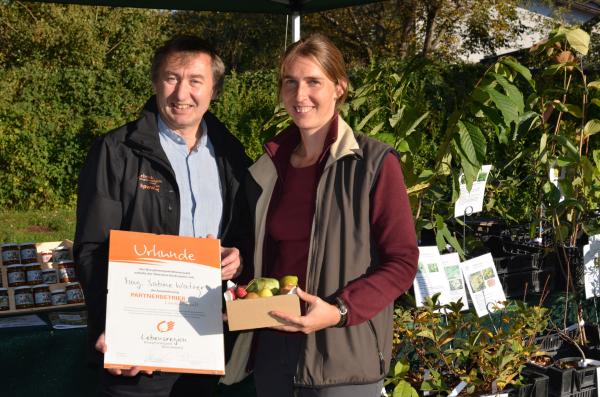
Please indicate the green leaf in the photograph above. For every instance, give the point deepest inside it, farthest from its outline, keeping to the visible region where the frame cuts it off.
(512, 92)
(507, 106)
(596, 157)
(594, 84)
(596, 102)
(395, 119)
(426, 333)
(564, 162)
(368, 117)
(404, 389)
(413, 126)
(566, 143)
(376, 129)
(522, 70)
(472, 142)
(591, 127)
(579, 40)
(401, 368)
(570, 203)
(574, 110)
(452, 240)
(403, 146)
(386, 137)
(543, 142)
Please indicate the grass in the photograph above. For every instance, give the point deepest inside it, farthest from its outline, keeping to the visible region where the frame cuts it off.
(37, 225)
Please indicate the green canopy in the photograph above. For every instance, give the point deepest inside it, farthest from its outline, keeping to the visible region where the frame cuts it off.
(257, 6)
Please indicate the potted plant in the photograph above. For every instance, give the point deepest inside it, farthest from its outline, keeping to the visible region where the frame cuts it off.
(438, 348)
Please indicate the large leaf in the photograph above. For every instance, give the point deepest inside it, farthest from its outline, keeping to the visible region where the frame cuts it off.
(527, 122)
(568, 108)
(591, 127)
(596, 157)
(522, 70)
(567, 144)
(368, 117)
(395, 119)
(579, 40)
(594, 84)
(404, 389)
(472, 143)
(411, 127)
(507, 106)
(596, 102)
(401, 368)
(511, 91)
(377, 128)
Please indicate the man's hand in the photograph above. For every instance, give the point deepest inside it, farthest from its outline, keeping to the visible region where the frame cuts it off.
(319, 315)
(231, 262)
(133, 371)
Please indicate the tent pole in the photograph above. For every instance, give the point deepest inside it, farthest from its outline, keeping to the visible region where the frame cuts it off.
(295, 26)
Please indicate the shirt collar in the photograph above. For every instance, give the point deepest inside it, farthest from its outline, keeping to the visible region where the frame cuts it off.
(164, 129)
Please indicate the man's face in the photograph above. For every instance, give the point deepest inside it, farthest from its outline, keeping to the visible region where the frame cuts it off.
(184, 89)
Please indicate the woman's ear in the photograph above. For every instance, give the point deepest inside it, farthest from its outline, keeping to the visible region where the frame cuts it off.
(340, 89)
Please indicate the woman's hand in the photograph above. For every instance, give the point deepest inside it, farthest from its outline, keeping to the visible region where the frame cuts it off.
(319, 315)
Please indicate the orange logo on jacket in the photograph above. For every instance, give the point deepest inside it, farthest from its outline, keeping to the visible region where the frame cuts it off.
(147, 182)
(165, 326)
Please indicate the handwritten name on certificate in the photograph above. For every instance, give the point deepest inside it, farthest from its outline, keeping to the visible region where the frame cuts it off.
(164, 304)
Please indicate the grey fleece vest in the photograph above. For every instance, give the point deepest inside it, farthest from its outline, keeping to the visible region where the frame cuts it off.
(341, 251)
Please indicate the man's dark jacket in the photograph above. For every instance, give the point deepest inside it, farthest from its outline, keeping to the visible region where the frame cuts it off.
(127, 183)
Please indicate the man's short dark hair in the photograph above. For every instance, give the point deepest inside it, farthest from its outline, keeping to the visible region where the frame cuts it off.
(189, 44)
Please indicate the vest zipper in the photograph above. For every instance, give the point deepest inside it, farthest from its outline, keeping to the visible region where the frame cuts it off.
(314, 237)
(379, 353)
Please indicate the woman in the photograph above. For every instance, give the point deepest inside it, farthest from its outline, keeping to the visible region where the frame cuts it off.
(331, 207)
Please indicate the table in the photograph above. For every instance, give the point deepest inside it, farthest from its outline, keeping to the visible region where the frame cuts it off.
(41, 361)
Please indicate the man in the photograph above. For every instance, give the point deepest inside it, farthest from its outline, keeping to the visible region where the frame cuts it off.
(176, 170)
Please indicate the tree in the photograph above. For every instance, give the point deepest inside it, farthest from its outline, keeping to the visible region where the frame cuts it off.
(434, 28)
(244, 41)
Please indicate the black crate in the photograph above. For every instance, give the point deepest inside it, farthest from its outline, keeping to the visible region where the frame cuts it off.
(589, 392)
(565, 259)
(570, 380)
(515, 284)
(514, 263)
(534, 385)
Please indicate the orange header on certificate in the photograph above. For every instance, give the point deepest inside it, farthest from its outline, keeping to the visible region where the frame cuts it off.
(134, 247)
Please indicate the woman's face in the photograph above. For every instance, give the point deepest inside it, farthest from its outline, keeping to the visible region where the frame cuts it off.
(308, 95)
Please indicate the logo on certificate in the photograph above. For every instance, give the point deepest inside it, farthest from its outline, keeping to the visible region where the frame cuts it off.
(165, 326)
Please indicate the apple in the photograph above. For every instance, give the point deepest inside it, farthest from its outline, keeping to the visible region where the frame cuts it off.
(288, 282)
(240, 292)
(265, 293)
(252, 295)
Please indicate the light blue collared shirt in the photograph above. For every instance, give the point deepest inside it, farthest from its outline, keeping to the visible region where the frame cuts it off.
(197, 176)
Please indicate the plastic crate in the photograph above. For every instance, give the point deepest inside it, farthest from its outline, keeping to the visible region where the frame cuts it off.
(563, 259)
(515, 284)
(519, 262)
(565, 381)
(535, 385)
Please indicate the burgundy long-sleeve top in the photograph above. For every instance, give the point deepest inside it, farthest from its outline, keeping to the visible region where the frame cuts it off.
(290, 216)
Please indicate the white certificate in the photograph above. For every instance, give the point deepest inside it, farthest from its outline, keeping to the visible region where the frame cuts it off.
(164, 304)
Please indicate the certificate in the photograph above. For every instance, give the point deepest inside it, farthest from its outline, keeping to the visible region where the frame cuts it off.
(164, 304)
